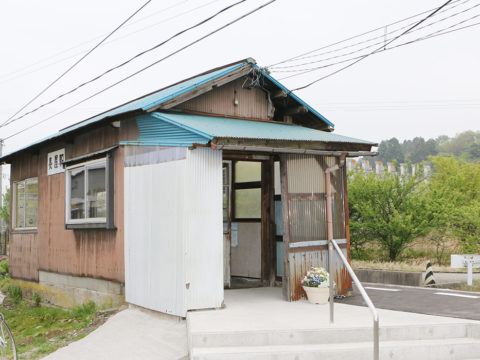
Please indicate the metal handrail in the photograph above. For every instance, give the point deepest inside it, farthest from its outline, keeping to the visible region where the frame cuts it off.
(362, 291)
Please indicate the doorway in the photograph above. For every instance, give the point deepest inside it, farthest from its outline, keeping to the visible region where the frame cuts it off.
(249, 222)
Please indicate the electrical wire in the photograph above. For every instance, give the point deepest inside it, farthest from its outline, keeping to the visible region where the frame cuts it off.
(8, 79)
(434, 34)
(300, 57)
(77, 62)
(355, 36)
(125, 62)
(146, 67)
(375, 51)
(87, 42)
(380, 42)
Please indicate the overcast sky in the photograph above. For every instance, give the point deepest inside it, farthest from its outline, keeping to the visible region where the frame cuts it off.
(427, 89)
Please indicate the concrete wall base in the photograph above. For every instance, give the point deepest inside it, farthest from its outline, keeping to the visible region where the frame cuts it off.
(69, 291)
(390, 277)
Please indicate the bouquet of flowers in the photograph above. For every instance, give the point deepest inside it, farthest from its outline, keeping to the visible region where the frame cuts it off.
(316, 277)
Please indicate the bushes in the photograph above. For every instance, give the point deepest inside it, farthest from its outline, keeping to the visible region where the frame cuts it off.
(388, 210)
(36, 299)
(84, 310)
(4, 267)
(15, 292)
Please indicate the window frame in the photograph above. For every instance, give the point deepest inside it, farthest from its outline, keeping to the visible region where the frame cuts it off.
(106, 222)
(244, 185)
(14, 205)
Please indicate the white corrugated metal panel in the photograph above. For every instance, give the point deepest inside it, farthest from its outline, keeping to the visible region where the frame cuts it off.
(204, 229)
(154, 239)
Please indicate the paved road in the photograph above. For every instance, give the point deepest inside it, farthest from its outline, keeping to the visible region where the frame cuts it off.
(441, 302)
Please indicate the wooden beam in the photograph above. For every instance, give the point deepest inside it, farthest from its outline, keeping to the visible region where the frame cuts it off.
(286, 229)
(268, 224)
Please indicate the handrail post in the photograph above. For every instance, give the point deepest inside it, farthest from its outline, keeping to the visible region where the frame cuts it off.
(331, 268)
(376, 334)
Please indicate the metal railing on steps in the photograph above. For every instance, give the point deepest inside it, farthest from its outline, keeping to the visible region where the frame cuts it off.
(333, 244)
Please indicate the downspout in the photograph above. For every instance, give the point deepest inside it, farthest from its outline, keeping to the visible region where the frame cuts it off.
(328, 191)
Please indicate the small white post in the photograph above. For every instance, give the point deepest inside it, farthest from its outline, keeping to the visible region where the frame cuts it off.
(470, 272)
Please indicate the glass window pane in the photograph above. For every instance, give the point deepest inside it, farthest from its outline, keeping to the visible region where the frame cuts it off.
(248, 204)
(77, 194)
(20, 204)
(246, 171)
(276, 174)
(31, 203)
(96, 194)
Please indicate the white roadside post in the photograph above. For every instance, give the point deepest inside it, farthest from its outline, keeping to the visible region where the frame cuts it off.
(469, 261)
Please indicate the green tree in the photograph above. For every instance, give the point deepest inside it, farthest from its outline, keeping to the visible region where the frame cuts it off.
(5, 207)
(454, 200)
(390, 150)
(389, 210)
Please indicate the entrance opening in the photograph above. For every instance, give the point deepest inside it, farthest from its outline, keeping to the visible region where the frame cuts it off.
(249, 212)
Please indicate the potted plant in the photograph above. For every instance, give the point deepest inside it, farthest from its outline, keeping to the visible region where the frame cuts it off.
(315, 284)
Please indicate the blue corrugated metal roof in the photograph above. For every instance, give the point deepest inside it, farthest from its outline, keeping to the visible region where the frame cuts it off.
(186, 129)
(149, 101)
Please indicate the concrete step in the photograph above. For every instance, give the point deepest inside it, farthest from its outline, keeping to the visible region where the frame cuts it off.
(438, 349)
(331, 335)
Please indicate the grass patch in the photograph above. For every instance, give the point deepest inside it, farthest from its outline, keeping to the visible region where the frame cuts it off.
(40, 330)
(464, 287)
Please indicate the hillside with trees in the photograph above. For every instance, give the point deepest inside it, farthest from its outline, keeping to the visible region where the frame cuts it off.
(392, 214)
(465, 146)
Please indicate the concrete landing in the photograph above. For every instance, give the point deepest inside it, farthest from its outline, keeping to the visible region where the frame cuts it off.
(258, 324)
(265, 309)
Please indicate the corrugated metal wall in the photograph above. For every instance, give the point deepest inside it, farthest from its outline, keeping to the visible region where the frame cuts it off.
(203, 225)
(306, 231)
(154, 242)
(96, 253)
(173, 233)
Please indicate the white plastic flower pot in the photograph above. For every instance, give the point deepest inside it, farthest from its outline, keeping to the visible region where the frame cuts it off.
(317, 295)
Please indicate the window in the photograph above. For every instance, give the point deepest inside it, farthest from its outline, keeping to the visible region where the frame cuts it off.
(25, 205)
(89, 195)
(247, 190)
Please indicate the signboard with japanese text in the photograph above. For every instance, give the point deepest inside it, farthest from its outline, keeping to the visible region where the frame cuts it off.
(55, 162)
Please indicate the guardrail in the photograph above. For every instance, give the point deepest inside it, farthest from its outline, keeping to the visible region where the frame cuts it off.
(331, 244)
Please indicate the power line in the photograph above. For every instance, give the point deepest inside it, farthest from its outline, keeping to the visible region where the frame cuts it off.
(355, 36)
(125, 62)
(373, 52)
(434, 34)
(86, 42)
(146, 67)
(77, 62)
(382, 36)
(377, 43)
(107, 42)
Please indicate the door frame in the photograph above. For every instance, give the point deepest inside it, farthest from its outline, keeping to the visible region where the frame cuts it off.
(268, 240)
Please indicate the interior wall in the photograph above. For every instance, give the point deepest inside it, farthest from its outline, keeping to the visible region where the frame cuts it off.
(246, 251)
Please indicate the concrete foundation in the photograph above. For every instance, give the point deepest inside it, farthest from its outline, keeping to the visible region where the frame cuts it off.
(390, 277)
(69, 291)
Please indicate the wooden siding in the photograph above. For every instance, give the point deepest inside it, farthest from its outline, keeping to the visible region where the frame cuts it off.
(252, 103)
(97, 253)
